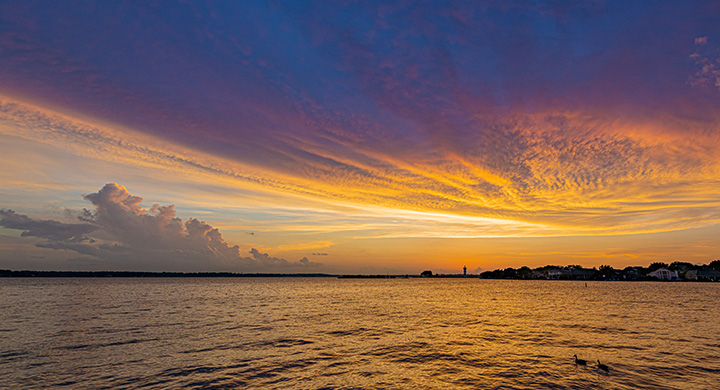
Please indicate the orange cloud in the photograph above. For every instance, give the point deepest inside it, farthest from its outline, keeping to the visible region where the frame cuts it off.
(532, 175)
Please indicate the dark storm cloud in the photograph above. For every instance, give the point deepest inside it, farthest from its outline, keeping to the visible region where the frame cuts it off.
(53, 230)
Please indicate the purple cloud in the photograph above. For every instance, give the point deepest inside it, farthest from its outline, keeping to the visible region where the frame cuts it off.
(52, 230)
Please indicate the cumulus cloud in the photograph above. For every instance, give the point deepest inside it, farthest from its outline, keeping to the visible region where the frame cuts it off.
(126, 235)
(264, 258)
(158, 228)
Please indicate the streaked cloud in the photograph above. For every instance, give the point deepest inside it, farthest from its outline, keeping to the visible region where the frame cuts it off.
(316, 126)
(550, 175)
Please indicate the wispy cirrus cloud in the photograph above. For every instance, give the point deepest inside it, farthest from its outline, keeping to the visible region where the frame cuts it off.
(505, 120)
(527, 175)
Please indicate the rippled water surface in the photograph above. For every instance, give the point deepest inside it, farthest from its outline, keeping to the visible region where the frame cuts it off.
(348, 333)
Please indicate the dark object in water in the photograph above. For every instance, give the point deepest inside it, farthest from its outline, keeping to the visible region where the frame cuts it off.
(581, 362)
(603, 367)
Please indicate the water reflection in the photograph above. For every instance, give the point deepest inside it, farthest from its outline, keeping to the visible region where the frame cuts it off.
(381, 333)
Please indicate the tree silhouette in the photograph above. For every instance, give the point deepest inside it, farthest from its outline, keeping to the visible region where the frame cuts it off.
(510, 273)
(524, 272)
(657, 265)
(715, 264)
(607, 271)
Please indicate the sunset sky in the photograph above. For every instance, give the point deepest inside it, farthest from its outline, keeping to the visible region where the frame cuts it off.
(363, 137)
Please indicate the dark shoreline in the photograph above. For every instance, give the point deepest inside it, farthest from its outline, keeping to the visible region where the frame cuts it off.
(147, 274)
(150, 274)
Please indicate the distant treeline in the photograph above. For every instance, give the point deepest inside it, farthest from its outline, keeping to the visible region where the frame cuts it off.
(140, 274)
(678, 269)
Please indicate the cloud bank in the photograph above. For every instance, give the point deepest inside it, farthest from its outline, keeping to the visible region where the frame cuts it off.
(122, 234)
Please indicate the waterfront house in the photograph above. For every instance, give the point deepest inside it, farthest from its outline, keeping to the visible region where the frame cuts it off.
(704, 273)
(664, 274)
(580, 273)
(555, 273)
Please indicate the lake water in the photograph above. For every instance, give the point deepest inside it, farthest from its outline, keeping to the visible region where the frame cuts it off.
(311, 333)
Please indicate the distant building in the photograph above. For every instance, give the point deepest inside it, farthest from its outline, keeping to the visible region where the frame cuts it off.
(464, 270)
(664, 274)
(555, 273)
(703, 274)
(580, 273)
(709, 274)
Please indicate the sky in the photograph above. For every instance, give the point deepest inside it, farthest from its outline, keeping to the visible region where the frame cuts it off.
(358, 137)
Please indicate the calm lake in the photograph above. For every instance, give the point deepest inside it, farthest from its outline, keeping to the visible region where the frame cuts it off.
(311, 333)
